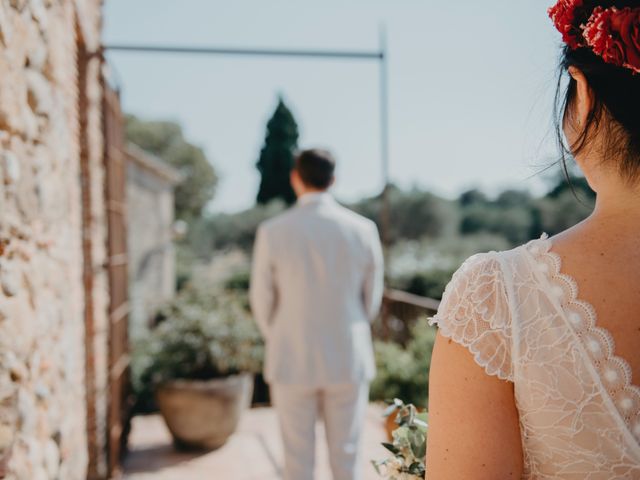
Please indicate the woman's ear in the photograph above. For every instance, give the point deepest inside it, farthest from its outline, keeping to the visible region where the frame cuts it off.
(584, 100)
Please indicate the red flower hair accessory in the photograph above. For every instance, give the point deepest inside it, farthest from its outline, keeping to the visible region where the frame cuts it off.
(612, 33)
(564, 15)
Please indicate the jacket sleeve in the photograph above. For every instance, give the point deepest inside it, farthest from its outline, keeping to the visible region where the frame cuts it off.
(373, 287)
(262, 292)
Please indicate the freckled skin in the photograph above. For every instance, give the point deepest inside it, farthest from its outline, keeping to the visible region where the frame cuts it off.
(473, 423)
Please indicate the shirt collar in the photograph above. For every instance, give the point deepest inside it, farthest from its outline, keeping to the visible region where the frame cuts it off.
(314, 198)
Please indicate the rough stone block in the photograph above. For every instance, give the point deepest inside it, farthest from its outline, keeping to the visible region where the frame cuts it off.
(6, 437)
(37, 56)
(11, 168)
(39, 92)
(9, 279)
(39, 12)
(18, 4)
(52, 458)
(5, 25)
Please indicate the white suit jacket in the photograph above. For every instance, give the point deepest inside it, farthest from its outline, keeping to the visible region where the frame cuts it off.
(316, 283)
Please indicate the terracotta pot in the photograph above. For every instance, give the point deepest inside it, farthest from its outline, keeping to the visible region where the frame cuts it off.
(204, 414)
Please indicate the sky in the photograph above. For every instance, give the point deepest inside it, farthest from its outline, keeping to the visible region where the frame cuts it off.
(470, 87)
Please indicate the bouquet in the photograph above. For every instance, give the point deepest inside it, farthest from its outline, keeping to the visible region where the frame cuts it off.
(409, 446)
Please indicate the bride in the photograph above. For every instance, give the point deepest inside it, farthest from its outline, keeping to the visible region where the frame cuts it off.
(536, 368)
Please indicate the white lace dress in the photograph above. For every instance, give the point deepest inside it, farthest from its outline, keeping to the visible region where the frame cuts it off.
(522, 319)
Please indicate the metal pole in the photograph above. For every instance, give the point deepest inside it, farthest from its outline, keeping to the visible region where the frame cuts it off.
(385, 220)
(261, 52)
(384, 139)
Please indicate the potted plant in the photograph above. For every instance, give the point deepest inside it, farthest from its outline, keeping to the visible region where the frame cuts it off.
(201, 359)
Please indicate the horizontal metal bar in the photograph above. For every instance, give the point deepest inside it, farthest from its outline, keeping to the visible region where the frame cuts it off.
(398, 296)
(266, 52)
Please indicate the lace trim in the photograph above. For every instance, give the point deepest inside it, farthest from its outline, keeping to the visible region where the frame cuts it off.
(614, 371)
(479, 356)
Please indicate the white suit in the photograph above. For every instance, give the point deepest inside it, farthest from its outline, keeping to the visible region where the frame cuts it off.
(316, 284)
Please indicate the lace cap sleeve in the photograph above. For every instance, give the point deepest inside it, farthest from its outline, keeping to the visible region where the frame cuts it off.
(474, 313)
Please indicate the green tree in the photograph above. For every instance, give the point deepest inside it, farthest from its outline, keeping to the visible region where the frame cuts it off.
(414, 214)
(166, 140)
(473, 196)
(556, 214)
(513, 198)
(574, 184)
(276, 157)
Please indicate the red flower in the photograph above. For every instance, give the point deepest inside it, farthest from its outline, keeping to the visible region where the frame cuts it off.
(630, 34)
(564, 15)
(614, 34)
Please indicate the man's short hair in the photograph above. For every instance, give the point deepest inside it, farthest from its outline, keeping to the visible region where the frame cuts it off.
(316, 168)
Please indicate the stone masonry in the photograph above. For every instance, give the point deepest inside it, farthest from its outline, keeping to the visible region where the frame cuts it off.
(43, 419)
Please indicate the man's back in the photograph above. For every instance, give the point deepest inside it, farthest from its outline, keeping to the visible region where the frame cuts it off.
(323, 265)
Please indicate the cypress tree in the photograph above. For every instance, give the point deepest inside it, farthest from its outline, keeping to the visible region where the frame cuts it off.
(276, 157)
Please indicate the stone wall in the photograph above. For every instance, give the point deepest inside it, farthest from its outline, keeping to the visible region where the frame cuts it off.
(43, 428)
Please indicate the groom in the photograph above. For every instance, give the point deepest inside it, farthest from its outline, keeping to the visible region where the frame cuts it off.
(316, 284)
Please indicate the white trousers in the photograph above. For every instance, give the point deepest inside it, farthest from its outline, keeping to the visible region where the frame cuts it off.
(341, 407)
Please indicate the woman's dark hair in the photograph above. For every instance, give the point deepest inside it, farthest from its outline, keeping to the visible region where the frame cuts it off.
(616, 108)
(316, 168)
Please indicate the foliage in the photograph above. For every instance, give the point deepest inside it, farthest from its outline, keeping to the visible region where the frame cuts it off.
(276, 157)
(404, 372)
(509, 215)
(225, 231)
(239, 281)
(513, 198)
(200, 336)
(414, 214)
(574, 184)
(472, 197)
(430, 283)
(425, 267)
(563, 211)
(185, 261)
(394, 369)
(166, 140)
(409, 446)
(519, 217)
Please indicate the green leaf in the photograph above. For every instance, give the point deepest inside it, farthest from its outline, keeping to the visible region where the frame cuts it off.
(391, 447)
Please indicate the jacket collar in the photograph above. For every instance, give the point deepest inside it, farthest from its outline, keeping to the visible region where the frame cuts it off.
(315, 198)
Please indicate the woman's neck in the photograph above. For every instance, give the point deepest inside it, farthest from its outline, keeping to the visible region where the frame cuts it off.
(617, 213)
(620, 201)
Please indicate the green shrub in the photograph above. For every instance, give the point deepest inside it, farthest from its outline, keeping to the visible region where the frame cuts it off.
(239, 281)
(404, 373)
(395, 367)
(426, 284)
